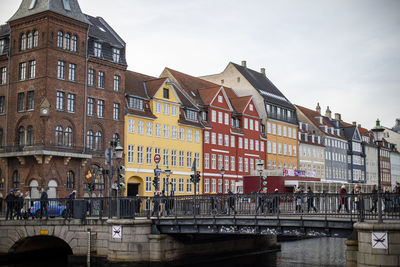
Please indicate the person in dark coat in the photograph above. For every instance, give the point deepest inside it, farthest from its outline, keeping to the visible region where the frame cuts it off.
(138, 203)
(343, 198)
(44, 202)
(276, 201)
(310, 200)
(70, 204)
(10, 201)
(231, 201)
(156, 204)
(261, 201)
(374, 199)
(19, 204)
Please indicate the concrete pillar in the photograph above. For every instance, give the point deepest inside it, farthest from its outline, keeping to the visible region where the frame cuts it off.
(351, 253)
(368, 255)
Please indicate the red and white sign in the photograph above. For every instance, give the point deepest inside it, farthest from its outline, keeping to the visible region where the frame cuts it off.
(117, 231)
(379, 240)
(157, 158)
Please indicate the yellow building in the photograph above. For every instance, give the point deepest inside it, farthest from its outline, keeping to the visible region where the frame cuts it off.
(160, 120)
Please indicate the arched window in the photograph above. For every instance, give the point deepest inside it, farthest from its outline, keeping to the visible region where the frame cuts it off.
(68, 137)
(98, 141)
(29, 136)
(34, 185)
(23, 41)
(15, 179)
(74, 43)
(21, 136)
(99, 181)
(29, 41)
(1, 137)
(35, 38)
(67, 41)
(70, 180)
(59, 136)
(90, 139)
(116, 137)
(60, 39)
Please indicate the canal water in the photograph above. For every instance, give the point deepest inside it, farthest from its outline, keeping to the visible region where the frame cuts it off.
(313, 252)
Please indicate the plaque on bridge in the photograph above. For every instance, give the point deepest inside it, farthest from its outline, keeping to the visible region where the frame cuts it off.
(117, 231)
(379, 240)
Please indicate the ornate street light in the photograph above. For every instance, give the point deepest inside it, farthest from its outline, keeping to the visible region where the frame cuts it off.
(222, 170)
(260, 169)
(378, 135)
(119, 151)
(118, 155)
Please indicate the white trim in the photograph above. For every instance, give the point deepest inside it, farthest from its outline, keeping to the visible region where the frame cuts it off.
(221, 151)
(152, 171)
(225, 175)
(252, 155)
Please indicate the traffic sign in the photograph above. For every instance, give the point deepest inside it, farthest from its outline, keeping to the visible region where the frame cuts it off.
(117, 231)
(157, 158)
(157, 171)
(379, 240)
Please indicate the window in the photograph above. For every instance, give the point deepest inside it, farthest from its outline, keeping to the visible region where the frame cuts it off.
(98, 141)
(2, 42)
(294, 133)
(173, 157)
(257, 145)
(197, 136)
(279, 148)
(279, 130)
(70, 180)
(274, 147)
(131, 153)
(29, 136)
(213, 116)
(188, 186)
(213, 185)
(284, 131)
(226, 119)
(100, 108)
(149, 155)
(191, 115)
(251, 144)
(3, 75)
(251, 164)
(2, 104)
(166, 109)
(232, 141)
(251, 124)
(100, 82)
(22, 71)
(158, 130)
(97, 49)
(23, 42)
(165, 157)
(72, 72)
(246, 123)
(220, 117)
(149, 128)
(246, 143)
(166, 131)
(68, 137)
(273, 128)
(59, 136)
(226, 162)
(158, 107)
(60, 39)
(74, 43)
(174, 110)
(135, 103)
(71, 103)
(140, 154)
(21, 136)
(220, 162)
(173, 132)
(256, 125)
(32, 69)
(181, 134)
(116, 83)
(166, 93)
(197, 158)
(15, 179)
(226, 140)
(220, 140)
(220, 99)
(181, 158)
(189, 159)
(90, 138)
(91, 77)
(240, 142)
(213, 161)
(29, 41)
(240, 164)
(140, 127)
(181, 188)
(189, 134)
(21, 102)
(61, 70)
(268, 127)
(90, 105)
(116, 54)
(207, 137)
(206, 161)
(116, 111)
(213, 138)
(67, 41)
(246, 164)
(206, 186)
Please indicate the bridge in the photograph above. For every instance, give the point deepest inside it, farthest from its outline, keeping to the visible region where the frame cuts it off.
(163, 229)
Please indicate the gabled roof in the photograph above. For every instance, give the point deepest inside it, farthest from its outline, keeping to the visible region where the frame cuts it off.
(264, 86)
(208, 94)
(152, 86)
(134, 83)
(240, 103)
(68, 8)
(312, 115)
(102, 31)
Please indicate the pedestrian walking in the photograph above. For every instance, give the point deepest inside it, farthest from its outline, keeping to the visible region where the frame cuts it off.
(374, 199)
(70, 204)
(276, 201)
(19, 205)
(298, 197)
(10, 201)
(396, 199)
(156, 204)
(44, 202)
(310, 200)
(231, 202)
(343, 198)
(261, 201)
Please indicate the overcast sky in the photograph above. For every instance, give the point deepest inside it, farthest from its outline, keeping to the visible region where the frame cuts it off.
(340, 53)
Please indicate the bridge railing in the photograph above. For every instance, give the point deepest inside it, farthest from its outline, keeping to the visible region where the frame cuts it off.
(353, 206)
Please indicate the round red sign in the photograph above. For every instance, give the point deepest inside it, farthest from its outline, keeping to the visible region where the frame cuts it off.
(157, 158)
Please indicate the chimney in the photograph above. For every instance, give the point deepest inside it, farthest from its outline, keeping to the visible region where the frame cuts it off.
(338, 117)
(262, 70)
(244, 63)
(328, 112)
(354, 123)
(318, 108)
(359, 125)
(397, 122)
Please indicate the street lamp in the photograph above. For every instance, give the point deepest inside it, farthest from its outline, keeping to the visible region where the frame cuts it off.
(260, 169)
(167, 172)
(118, 155)
(222, 170)
(378, 135)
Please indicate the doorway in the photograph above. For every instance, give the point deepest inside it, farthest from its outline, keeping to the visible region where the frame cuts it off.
(133, 190)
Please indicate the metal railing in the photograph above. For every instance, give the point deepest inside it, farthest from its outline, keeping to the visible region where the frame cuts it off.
(353, 207)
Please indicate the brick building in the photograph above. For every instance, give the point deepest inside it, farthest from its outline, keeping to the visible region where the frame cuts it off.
(61, 97)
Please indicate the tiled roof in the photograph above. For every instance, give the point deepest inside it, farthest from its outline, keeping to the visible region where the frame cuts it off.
(153, 85)
(68, 8)
(240, 103)
(134, 84)
(102, 31)
(264, 86)
(208, 94)
(311, 115)
(146, 112)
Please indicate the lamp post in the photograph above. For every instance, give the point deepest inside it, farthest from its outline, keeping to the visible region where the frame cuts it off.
(167, 172)
(222, 170)
(378, 135)
(118, 155)
(260, 169)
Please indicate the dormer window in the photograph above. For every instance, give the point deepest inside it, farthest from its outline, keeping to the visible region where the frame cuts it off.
(135, 103)
(66, 5)
(97, 49)
(116, 54)
(2, 44)
(220, 99)
(32, 4)
(204, 115)
(166, 93)
(251, 107)
(191, 115)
